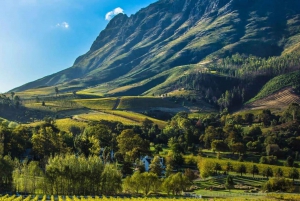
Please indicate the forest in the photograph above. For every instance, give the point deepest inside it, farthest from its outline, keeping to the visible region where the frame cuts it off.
(106, 156)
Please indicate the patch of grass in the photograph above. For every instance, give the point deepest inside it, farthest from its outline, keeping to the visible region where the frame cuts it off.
(138, 103)
(98, 104)
(137, 117)
(66, 124)
(106, 116)
(53, 106)
(198, 115)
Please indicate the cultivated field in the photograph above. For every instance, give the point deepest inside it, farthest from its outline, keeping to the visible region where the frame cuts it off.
(280, 99)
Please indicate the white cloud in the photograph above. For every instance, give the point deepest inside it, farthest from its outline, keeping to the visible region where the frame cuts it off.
(113, 13)
(64, 25)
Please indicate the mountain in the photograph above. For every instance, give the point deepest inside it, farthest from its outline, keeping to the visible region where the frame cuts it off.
(149, 51)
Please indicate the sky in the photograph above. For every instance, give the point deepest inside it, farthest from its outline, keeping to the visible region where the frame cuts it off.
(42, 37)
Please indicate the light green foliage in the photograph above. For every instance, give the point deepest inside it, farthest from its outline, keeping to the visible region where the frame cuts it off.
(155, 166)
(132, 145)
(176, 183)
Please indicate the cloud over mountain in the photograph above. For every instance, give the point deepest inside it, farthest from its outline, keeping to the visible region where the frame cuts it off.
(113, 13)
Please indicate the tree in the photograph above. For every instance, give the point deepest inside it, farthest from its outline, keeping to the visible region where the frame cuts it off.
(238, 147)
(279, 172)
(289, 161)
(249, 117)
(12, 95)
(132, 183)
(241, 169)
(254, 170)
(148, 179)
(219, 145)
(56, 90)
(268, 172)
(156, 166)
(229, 184)
(190, 174)
(132, 145)
(229, 167)
(176, 183)
(217, 168)
(294, 174)
(279, 184)
(255, 132)
(111, 180)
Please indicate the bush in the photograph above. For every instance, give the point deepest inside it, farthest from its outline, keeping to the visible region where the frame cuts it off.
(279, 184)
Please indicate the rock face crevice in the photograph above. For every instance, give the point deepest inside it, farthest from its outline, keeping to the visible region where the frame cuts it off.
(171, 33)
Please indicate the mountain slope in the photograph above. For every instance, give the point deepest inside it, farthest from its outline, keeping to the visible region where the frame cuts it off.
(172, 33)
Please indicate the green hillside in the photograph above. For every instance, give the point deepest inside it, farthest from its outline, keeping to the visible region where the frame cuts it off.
(130, 56)
(278, 83)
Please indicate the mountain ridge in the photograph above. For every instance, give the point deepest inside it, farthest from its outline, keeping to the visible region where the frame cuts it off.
(168, 34)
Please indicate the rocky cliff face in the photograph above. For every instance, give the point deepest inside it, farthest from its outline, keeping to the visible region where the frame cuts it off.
(171, 33)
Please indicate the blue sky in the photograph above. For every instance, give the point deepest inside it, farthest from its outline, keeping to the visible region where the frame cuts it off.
(41, 37)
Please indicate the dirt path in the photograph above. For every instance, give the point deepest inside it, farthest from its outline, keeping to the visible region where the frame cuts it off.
(116, 104)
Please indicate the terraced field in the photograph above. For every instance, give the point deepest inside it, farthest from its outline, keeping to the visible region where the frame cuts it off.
(279, 99)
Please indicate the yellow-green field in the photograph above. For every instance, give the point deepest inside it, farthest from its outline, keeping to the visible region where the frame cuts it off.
(97, 104)
(98, 116)
(137, 117)
(66, 124)
(54, 106)
(63, 124)
(133, 102)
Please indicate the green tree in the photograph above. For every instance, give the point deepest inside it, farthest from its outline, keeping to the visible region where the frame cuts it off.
(229, 184)
(268, 172)
(56, 90)
(229, 167)
(219, 145)
(148, 180)
(279, 184)
(176, 183)
(132, 145)
(254, 170)
(241, 169)
(156, 166)
(111, 181)
(289, 161)
(217, 168)
(294, 174)
(279, 172)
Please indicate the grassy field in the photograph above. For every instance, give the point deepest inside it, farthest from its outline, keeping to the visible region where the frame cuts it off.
(137, 103)
(97, 104)
(63, 124)
(97, 116)
(54, 106)
(136, 117)
(66, 124)
(197, 115)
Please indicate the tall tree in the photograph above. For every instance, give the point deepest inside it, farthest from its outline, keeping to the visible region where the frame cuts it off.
(156, 166)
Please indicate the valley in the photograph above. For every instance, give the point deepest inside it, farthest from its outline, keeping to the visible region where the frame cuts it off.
(181, 100)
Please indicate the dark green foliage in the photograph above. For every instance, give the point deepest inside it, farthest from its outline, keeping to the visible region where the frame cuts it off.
(229, 184)
(268, 172)
(279, 184)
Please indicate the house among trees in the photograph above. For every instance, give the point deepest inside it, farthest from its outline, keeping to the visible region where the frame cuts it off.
(147, 161)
